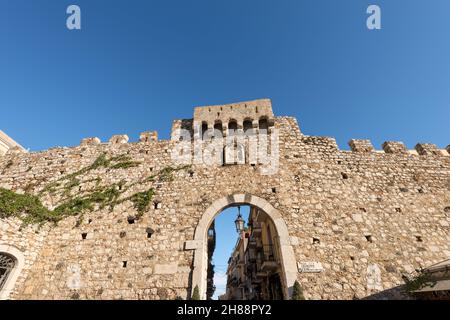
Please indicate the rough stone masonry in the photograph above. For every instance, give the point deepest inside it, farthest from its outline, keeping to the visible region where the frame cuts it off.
(366, 216)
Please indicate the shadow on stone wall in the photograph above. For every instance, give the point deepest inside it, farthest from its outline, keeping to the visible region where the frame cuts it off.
(395, 293)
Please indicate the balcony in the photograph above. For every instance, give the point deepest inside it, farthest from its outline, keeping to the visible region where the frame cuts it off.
(256, 229)
(269, 262)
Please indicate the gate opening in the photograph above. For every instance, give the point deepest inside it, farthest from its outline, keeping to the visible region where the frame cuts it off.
(244, 260)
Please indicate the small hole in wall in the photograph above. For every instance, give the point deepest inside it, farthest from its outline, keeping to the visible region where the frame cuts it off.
(83, 236)
(419, 239)
(398, 210)
(122, 234)
(150, 232)
(447, 209)
(90, 220)
(131, 220)
(274, 190)
(316, 241)
(344, 175)
(151, 168)
(420, 190)
(191, 174)
(363, 209)
(352, 258)
(339, 162)
(124, 264)
(156, 205)
(369, 238)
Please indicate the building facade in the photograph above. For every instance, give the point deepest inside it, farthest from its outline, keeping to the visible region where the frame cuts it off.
(130, 220)
(6, 143)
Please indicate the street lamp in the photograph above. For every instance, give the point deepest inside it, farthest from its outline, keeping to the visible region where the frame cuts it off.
(239, 222)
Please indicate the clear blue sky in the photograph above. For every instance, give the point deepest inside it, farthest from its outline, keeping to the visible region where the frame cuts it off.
(137, 65)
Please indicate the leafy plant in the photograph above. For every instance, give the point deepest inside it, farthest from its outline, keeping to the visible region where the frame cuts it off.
(141, 200)
(196, 294)
(422, 280)
(24, 206)
(297, 292)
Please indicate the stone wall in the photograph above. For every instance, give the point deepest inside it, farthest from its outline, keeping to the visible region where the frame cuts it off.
(367, 216)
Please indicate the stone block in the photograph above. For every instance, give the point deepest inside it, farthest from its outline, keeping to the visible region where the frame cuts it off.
(360, 145)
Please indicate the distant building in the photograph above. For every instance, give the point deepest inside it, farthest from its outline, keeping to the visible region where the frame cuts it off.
(7, 143)
(254, 269)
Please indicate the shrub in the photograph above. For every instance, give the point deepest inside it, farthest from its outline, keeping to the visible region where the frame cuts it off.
(297, 293)
(195, 294)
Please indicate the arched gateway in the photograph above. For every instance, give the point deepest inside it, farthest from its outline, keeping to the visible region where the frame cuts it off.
(287, 259)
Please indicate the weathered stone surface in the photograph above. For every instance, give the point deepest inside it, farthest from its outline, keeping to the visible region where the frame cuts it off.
(148, 136)
(170, 268)
(119, 139)
(360, 145)
(427, 149)
(15, 149)
(394, 147)
(192, 244)
(90, 141)
(367, 217)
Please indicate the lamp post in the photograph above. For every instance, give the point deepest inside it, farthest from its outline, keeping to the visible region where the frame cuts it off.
(239, 222)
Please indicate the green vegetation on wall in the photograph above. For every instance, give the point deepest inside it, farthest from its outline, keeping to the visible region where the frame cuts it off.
(30, 209)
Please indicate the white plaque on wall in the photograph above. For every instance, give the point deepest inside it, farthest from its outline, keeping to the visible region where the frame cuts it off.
(309, 266)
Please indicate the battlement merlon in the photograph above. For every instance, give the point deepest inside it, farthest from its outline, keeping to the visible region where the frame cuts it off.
(239, 112)
(147, 136)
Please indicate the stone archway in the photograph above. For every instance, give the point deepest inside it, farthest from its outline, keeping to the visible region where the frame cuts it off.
(199, 244)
